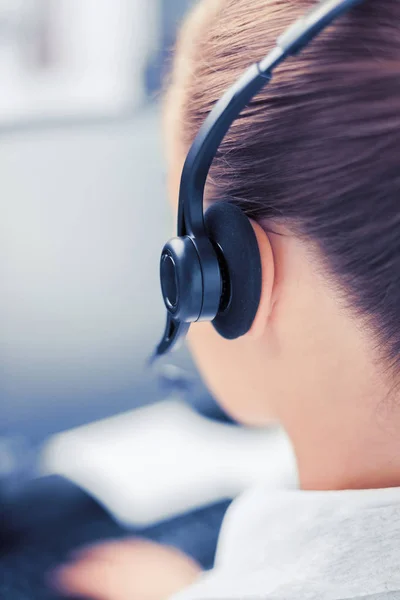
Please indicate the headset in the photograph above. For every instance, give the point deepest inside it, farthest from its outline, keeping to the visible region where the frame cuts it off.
(212, 270)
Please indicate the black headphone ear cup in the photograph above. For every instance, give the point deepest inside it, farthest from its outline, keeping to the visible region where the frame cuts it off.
(236, 244)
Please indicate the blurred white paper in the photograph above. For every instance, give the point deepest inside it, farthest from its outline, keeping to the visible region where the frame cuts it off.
(160, 461)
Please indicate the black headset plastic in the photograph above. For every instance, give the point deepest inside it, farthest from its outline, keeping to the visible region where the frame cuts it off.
(192, 269)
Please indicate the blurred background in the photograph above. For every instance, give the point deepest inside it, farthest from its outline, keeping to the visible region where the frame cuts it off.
(83, 207)
(84, 215)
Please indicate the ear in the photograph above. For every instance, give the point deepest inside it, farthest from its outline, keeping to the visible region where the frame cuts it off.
(267, 282)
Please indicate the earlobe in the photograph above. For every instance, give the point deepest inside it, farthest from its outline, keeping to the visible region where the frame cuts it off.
(267, 273)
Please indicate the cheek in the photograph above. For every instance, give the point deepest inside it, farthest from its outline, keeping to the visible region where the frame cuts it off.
(234, 372)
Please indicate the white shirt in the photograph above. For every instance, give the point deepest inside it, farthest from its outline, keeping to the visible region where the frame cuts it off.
(306, 545)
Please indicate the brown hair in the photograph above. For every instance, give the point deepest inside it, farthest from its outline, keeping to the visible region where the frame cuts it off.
(319, 148)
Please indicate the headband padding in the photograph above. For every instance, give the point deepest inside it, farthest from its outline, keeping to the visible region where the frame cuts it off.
(232, 233)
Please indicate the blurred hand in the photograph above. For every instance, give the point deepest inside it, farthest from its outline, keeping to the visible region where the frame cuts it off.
(132, 569)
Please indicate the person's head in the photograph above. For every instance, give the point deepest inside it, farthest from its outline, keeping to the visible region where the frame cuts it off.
(314, 162)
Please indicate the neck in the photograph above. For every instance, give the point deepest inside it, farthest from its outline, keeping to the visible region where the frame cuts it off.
(335, 401)
(354, 446)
